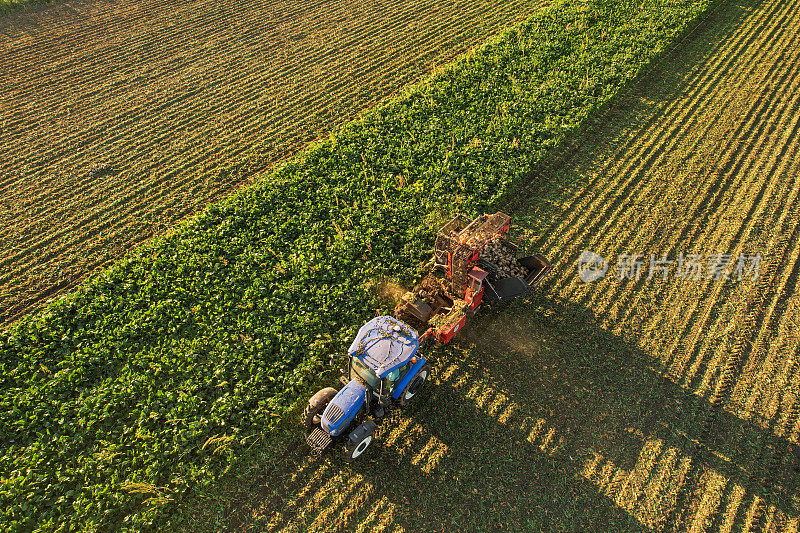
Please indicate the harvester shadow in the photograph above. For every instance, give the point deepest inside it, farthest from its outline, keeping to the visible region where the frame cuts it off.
(540, 420)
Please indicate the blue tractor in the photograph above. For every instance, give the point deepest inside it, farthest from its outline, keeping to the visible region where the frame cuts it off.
(384, 371)
(384, 367)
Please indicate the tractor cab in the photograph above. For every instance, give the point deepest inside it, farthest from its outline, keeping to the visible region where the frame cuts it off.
(383, 355)
(388, 384)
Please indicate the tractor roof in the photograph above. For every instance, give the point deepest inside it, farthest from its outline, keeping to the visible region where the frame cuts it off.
(384, 344)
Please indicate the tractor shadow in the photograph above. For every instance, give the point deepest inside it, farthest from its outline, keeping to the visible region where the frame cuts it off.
(539, 420)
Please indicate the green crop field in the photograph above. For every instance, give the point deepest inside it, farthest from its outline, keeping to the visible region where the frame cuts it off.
(162, 393)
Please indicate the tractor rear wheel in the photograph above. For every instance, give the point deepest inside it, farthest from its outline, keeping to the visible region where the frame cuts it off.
(359, 440)
(312, 415)
(415, 386)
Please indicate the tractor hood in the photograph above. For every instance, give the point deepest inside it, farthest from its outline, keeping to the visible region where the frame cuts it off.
(343, 408)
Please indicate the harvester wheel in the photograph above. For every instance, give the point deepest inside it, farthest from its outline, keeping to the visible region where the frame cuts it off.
(312, 415)
(415, 386)
(359, 440)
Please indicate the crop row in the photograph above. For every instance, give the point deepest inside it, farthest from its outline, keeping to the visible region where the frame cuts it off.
(150, 380)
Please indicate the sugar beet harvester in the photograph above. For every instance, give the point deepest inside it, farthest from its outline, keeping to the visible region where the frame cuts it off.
(473, 263)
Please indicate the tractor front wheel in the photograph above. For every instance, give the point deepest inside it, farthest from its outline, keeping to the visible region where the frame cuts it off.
(312, 415)
(359, 440)
(415, 386)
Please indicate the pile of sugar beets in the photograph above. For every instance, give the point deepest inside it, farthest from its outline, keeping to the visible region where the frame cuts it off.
(505, 258)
